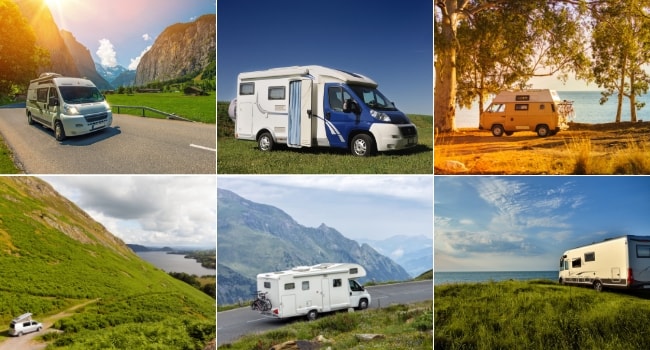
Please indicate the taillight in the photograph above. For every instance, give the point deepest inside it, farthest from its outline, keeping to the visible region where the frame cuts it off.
(630, 278)
(276, 311)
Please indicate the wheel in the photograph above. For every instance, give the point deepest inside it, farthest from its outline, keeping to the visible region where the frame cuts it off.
(265, 142)
(39, 329)
(362, 145)
(543, 131)
(598, 286)
(312, 315)
(20, 334)
(30, 121)
(497, 130)
(59, 133)
(363, 304)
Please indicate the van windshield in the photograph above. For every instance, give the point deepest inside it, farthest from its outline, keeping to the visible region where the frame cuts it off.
(80, 94)
(373, 98)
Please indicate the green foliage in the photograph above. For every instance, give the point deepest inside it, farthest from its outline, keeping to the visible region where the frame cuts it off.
(537, 315)
(197, 108)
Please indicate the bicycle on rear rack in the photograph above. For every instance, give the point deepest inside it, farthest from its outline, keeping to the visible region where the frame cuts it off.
(261, 302)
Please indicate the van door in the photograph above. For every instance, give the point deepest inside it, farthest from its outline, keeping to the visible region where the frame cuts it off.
(288, 305)
(338, 124)
(517, 117)
(52, 112)
(325, 293)
(300, 101)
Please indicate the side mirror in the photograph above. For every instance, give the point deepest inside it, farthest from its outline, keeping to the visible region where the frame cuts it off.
(54, 101)
(351, 105)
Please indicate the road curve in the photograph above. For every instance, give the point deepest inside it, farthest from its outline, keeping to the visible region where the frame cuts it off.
(235, 323)
(132, 145)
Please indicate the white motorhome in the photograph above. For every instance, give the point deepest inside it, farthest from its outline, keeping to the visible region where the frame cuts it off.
(24, 324)
(69, 106)
(310, 290)
(312, 106)
(621, 262)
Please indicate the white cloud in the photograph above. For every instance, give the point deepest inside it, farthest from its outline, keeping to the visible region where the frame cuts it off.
(146, 37)
(106, 53)
(466, 222)
(136, 61)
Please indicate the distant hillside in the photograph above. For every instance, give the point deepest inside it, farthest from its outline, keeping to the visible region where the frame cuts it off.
(256, 238)
(84, 61)
(413, 253)
(54, 255)
(110, 74)
(180, 50)
(126, 78)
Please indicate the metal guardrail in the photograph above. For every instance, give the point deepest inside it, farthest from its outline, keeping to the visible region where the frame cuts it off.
(145, 108)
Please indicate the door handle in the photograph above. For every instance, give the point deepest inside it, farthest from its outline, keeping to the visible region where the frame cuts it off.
(328, 116)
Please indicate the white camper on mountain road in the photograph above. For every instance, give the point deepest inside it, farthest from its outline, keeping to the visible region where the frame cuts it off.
(310, 290)
(311, 106)
(621, 262)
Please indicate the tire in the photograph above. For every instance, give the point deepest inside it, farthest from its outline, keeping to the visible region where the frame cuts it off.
(363, 304)
(265, 142)
(362, 145)
(20, 334)
(39, 329)
(59, 132)
(312, 315)
(543, 131)
(30, 121)
(497, 130)
(598, 286)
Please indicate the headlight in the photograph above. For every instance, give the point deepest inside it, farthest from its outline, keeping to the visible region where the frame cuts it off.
(69, 110)
(380, 116)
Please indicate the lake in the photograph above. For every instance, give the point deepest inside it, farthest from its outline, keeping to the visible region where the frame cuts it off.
(585, 103)
(484, 276)
(176, 263)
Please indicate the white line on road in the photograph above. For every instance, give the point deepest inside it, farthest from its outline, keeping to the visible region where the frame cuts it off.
(203, 147)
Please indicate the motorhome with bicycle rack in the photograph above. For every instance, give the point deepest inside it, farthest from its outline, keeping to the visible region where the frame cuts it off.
(69, 106)
(315, 106)
(541, 111)
(621, 262)
(310, 290)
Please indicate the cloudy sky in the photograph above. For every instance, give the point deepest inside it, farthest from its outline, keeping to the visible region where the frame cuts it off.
(373, 207)
(148, 210)
(121, 31)
(511, 223)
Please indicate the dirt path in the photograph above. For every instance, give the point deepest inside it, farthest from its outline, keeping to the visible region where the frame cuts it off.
(601, 148)
(27, 342)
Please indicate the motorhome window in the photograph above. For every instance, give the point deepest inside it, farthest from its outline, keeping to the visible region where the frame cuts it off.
(276, 93)
(354, 271)
(355, 287)
(53, 93)
(247, 88)
(41, 95)
(337, 282)
(541, 107)
(373, 98)
(566, 264)
(305, 285)
(590, 256)
(521, 107)
(267, 285)
(80, 94)
(643, 251)
(522, 98)
(336, 96)
(576, 262)
(289, 286)
(496, 107)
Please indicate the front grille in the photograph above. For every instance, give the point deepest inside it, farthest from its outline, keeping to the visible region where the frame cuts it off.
(408, 131)
(96, 117)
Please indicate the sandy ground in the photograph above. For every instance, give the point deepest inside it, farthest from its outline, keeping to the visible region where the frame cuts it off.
(473, 151)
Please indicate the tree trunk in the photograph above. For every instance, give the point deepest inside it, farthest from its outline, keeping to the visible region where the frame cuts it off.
(632, 98)
(444, 93)
(621, 91)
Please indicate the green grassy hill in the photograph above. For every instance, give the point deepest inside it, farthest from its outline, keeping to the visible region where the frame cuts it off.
(53, 255)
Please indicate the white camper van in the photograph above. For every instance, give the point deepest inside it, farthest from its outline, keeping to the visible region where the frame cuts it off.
(621, 262)
(310, 290)
(310, 106)
(24, 324)
(69, 106)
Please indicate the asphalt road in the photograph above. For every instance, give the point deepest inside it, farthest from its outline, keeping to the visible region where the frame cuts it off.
(132, 145)
(233, 324)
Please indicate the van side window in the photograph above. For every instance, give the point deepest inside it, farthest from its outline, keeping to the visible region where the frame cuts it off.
(643, 251)
(41, 95)
(289, 286)
(590, 256)
(354, 271)
(522, 98)
(337, 282)
(53, 93)
(276, 93)
(496, 107)
(576, 262)
(521, 107)
(355, 287)
(305, 285)
(336, 96)
(541, 107)
(247, 88)
(267, 285)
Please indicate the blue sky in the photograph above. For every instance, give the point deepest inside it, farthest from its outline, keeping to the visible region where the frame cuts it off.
(126, 28)
(390, 41)
(372, 207)
(511, 223)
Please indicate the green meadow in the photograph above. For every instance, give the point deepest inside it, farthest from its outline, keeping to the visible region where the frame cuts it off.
(538, 314)
(196, 108)
(243, 157)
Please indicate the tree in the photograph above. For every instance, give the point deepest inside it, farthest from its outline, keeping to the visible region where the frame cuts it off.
(529, 38)
(620, 49)
(19, 55)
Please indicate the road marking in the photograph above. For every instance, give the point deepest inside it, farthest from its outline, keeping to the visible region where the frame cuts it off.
(203, 147)
(259, 319)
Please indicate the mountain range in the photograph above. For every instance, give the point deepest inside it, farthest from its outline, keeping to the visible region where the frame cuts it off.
(256, 238)
(413, 253)
(53, 256)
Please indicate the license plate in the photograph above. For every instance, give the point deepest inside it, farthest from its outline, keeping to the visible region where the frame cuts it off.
(97, 126)
(411, 140)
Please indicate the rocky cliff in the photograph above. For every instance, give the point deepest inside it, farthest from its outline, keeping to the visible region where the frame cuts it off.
(84, 61)
(181, 49)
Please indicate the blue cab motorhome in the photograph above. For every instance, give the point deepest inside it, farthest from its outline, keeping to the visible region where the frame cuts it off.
(315, 106)
(69, 106)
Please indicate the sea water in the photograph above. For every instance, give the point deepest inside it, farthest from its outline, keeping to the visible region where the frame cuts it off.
(585, 103)
(484, 276)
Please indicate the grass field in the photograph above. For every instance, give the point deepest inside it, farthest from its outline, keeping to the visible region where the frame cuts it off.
(538, 314)
(197, 108)
(243, 157)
